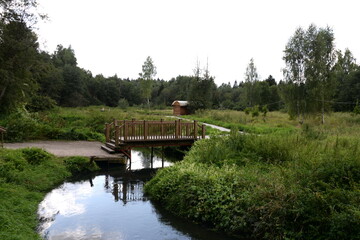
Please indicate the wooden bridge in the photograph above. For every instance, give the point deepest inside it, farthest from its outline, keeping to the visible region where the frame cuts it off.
(121, 136)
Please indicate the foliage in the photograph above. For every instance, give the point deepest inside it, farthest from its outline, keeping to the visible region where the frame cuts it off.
(35, 156)
(269, 187)
(146, 76)
(25, 177)
(18, 54)
(70, 123)
(123, 103)
(201, 89)
(310, 59)
(356, 109)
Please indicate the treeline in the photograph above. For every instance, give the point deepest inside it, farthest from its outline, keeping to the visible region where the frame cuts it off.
(317, 77)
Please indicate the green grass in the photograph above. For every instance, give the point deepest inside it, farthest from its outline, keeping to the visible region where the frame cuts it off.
(273, 122)
(302, 184)
(83, 123)
(26, 175)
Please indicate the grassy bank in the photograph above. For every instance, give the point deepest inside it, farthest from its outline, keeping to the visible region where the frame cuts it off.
(286, 185)
(86, 123)
(26, 175)
(273, 122)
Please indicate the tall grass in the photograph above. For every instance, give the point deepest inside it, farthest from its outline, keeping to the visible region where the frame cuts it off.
(279, 186)
(273, 122)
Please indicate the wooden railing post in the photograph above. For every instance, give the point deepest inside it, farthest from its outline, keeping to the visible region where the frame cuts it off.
(133, 127)
(145, 130)
(162, 128)
(203, 130)
(107, 132)
(176, 129)
(179, 128)
(125, 131)
(195, 129)
(117, 135)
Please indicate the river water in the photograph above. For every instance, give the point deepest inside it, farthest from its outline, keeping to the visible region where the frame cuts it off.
(112, 205)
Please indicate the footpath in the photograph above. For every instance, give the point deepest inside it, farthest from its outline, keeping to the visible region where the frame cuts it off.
(66, 148)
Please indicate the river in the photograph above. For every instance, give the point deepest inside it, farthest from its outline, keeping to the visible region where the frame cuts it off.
(112, 205)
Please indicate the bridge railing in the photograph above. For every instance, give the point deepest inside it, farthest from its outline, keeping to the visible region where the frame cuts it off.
(135, 130)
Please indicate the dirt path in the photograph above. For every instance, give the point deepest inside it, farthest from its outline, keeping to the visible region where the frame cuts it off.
(206, 124)
(66, 148)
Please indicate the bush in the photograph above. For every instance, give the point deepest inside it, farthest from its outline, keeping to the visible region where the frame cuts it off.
(36, 156)
(20, 126)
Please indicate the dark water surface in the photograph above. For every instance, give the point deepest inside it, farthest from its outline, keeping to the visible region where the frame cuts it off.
(112, 205)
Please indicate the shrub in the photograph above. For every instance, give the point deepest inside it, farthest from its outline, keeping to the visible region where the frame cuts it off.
(36, 156)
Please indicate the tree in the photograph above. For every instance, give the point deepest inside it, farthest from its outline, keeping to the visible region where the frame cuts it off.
(251, 77)
(148, 72)
(321, 59)
(294, 72)
(202, 88)
(343, 73)
(18, 53)
(309, 58)
(18, 62)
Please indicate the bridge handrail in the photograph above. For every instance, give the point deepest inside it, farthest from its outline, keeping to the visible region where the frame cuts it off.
(143, 130)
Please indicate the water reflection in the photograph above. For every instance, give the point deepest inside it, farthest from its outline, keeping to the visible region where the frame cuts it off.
(85, 211)
(142, 159)
(111, 205)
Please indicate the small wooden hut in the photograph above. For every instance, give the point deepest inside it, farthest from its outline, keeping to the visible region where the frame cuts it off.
(180, 107)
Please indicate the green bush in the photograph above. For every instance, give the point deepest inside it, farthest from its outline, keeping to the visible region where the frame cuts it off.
(20, 126)
(36, 156)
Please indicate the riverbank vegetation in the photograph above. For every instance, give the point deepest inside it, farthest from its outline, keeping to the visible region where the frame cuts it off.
(83, 123)
(26, 175)
(298, 185)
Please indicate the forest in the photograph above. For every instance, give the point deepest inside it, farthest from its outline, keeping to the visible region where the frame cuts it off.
(318, 78)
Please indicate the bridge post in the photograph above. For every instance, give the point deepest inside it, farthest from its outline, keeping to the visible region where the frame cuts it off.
(107, 132)
(195, 129)
(176, 129)
(133, 127)
(162, 127)
(179, 128)
(145, 130)
(203, 130)
(125, 131)
(117, 135)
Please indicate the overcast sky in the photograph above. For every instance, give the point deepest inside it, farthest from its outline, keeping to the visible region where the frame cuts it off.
(115, 36)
